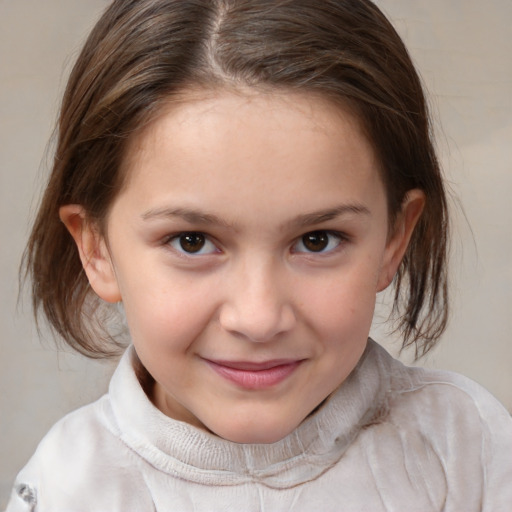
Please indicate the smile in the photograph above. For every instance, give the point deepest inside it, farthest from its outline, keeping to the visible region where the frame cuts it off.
(255, 376)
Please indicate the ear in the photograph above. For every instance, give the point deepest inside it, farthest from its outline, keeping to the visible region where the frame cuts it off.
(412, 207)
(93, 252)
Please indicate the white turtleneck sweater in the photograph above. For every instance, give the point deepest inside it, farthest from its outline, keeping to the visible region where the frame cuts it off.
(391, 438)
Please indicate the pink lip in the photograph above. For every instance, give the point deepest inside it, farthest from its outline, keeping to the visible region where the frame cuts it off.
(250, 375)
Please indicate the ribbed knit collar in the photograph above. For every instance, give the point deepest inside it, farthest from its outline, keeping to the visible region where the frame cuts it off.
(190, 453)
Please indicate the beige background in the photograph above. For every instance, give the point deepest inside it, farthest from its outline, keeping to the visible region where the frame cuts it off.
(463, 49)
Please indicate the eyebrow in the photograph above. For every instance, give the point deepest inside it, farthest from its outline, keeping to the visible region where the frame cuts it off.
(328, 214)
(190, 215)
(195, 216)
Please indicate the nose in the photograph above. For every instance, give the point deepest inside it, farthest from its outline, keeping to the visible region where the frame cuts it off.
(259, 306)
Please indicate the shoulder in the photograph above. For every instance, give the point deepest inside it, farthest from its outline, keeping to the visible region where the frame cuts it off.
(436, 391)
(465, 428)
(81, 458)
(449, 397)
(434, 398)
(445, 429)
(87, 433)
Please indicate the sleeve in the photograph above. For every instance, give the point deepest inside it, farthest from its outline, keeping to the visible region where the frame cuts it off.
(469, 432)
(81, 465)
(56, 465)
(482, 430)
(497, 457)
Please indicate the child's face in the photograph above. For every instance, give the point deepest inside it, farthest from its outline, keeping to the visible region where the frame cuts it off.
(247, 247)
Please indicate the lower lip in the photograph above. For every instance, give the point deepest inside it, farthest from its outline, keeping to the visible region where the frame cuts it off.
(256, 379)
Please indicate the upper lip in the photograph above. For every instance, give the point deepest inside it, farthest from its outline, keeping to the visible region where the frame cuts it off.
(251, 366)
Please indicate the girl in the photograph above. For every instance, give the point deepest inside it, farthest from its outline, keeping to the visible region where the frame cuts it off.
(243, 177)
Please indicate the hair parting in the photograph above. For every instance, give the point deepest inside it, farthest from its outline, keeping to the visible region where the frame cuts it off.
(143, 53)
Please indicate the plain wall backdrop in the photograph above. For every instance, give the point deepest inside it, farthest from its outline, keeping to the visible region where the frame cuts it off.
(463, 50)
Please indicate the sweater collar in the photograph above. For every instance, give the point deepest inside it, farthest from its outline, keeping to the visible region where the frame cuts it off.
(190, 453)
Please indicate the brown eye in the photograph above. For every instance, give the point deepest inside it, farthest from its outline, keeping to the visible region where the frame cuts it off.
(192, 242)
(315, 241)
(318, 242)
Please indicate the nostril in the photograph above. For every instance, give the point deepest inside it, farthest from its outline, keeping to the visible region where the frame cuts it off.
(258, 325)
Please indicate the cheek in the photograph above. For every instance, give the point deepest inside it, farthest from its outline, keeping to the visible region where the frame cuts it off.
(344, 301)
(166, 310)
(345, 317)
(339, 318)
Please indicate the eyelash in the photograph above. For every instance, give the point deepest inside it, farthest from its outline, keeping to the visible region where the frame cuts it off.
(177, 243)
(179, 240)
(338, 237)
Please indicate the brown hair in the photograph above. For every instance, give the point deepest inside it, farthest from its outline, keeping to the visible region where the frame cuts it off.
(141, 53)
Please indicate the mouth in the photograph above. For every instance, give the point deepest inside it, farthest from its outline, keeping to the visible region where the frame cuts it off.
(251, 375)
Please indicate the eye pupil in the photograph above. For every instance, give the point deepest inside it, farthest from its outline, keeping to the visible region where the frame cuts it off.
(316, 241)
(192, 242)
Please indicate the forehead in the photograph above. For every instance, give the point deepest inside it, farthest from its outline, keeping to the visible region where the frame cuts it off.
(253, 142)
(191, 104)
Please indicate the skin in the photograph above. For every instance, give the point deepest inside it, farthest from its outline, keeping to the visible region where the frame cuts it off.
(254, 172)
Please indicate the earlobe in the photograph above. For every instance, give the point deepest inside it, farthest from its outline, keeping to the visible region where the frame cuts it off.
(93, 252)
(406, 221)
